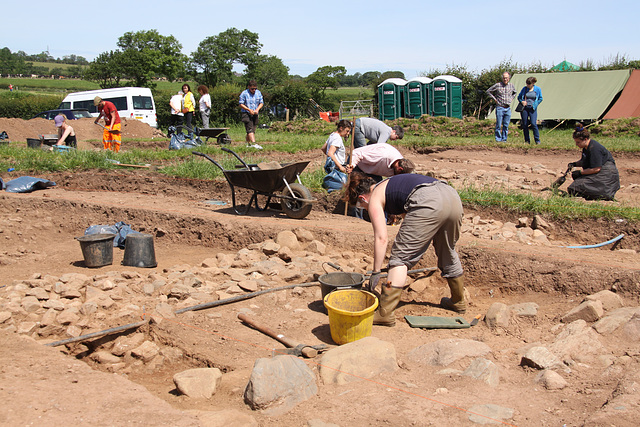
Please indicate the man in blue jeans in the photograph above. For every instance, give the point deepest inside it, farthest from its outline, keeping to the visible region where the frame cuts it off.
(503, 93)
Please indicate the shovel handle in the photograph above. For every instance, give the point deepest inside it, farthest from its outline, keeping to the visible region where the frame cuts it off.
(307, 351)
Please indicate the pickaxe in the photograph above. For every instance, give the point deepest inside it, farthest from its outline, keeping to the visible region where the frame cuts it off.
(295, 348)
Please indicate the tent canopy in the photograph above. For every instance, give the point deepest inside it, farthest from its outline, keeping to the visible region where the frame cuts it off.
(628, 105)
(584, 95)
(565, 66)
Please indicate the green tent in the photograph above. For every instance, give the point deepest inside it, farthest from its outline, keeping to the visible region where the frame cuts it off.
(583, 95)
(564, 66)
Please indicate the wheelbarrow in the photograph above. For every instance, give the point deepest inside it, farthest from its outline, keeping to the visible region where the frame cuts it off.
(296, 199)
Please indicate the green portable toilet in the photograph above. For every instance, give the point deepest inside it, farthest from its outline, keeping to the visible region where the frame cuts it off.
(391, 98)
(416, 98)
(446, 96)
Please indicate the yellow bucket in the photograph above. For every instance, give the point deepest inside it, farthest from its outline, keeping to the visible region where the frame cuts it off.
(350, 314)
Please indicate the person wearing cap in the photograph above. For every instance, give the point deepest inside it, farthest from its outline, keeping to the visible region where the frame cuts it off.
(111, 138)
(66, 134)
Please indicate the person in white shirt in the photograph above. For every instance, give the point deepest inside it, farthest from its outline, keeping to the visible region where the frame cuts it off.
(205, 105)
(177, 117)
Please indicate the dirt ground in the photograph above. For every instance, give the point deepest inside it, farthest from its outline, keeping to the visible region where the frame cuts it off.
(64, 384)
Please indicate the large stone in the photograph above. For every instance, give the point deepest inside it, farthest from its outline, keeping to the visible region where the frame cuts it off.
(289, 239)
(525, 309)
(446, 351)
(497, 315)
(31, 304)
(632, 328)
(364, 358)
(578, 341)
(541, 358)
(609, 300)
(551, 380)
(68, 316)
(483, 370)
(125, 343)
(278, 384)
(147, 351)
(614, 319)
(39, 293)
(199, 383)
(622, 408)
(317, 247)
(489, 414)
(105, 357)
(4, 316)
(589, 311)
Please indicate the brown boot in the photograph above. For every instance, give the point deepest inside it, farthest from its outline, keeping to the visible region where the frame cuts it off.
(456, 302)
(389, 299)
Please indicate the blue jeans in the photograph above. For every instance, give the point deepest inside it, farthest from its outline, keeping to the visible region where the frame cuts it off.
(530, 118)
(503, 115)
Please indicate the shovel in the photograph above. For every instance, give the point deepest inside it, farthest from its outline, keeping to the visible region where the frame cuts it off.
(106, 128)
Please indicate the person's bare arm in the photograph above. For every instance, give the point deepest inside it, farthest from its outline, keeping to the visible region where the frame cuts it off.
(379, 223)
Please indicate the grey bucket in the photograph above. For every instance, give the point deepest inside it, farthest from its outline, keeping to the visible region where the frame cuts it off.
(339, 280)
(139, 251)
(97, 249)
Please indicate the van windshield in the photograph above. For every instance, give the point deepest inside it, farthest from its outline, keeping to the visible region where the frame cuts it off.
(142, 103)
(120, 103)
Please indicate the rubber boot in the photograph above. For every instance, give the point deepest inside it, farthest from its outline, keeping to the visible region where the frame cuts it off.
(389, 299)
(456, 302)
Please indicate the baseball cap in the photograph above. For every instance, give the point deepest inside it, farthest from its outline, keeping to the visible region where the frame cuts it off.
(96, 100)
(59, 119)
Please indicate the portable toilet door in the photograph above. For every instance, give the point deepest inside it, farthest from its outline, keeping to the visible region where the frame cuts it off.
(447, 96)
(390, 98)
(417, 94)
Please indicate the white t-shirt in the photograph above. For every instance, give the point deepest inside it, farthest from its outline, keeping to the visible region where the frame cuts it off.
(336, 140)
(205, 102)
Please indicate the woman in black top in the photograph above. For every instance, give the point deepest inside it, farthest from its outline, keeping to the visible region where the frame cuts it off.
(599, 178)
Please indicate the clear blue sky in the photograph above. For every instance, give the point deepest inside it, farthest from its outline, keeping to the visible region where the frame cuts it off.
(374, 35)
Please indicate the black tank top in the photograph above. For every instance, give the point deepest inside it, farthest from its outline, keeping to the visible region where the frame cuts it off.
(398, 189)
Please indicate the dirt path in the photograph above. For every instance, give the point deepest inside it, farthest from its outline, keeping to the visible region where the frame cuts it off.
(37, 233)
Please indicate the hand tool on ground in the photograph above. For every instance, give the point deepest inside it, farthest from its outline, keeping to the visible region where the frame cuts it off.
(475, 320)
(295, 348)
(436, 322)
(106, 128)
(558, 182)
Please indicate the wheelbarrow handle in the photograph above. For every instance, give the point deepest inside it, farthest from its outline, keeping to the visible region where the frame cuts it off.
(197, 153)
(228, 150)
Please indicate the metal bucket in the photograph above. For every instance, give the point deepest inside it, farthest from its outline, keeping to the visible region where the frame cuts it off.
(339, 280)
(139, 251)
(97, 249)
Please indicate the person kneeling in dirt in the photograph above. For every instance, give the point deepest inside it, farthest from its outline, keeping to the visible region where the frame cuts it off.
(66, 134)
(599, 178)
(433, 213)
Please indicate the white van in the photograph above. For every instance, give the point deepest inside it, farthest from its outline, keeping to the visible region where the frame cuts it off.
(131, 102)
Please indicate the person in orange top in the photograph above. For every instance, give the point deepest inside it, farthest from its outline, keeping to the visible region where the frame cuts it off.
(111, 137)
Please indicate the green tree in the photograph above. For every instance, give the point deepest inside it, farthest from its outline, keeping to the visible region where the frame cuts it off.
(267, 70)
(327, 77)
(148, 54)
(216, 55)
(369, 78)
(294, 94)
(105, 69)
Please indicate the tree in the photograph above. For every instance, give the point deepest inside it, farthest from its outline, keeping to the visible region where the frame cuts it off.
(294, 94)
(369, 78)
(216, 55)
(323, 78)
(105, 69)
(267, 70)
(148, 54)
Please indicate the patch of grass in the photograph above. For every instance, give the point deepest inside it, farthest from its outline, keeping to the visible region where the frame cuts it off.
(550, 205)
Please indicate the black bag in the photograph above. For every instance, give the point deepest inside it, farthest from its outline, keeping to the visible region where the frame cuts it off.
(519, 108)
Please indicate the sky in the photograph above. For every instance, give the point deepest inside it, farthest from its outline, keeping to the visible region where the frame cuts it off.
(414, 37)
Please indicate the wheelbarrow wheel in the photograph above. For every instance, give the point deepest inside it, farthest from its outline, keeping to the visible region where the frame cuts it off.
(293, 208)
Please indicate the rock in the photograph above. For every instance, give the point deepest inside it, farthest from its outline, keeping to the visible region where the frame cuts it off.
(56, 304)
(526, 309)
(497, 315)
(632, 328)
(364, 358)
(88, 308)
(446, 351)
(541, 358)
(147, 351)
(148, 288)
(248, 285)
(39, 293)
(622, 408)
(180, 292)
(285, 253)
(551, 380)
(523, 222)
(489, 413)
(303, 234)
(614, 319)
(589, 311)
(26, 327)
(577, 340)
(209, 263)
(164, 309)
(4, 316)
(483, 370)
(48, 318)
(278, 384)
(289, 239)
(199, 383)
(609, 300)
(31, 304)
(539, 223)
(126, 343)
(68, 316)
(105, 357)
(316, 247)
(226, 418)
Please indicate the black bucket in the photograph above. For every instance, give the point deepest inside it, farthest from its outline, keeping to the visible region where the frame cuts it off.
(97, 249)
(34, 143)
(339, 280)
(139, 251)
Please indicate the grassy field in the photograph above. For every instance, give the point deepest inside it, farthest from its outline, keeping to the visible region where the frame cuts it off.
(47, 86)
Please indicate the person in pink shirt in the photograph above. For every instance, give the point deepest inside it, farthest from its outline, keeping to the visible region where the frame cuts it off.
(379, 160)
